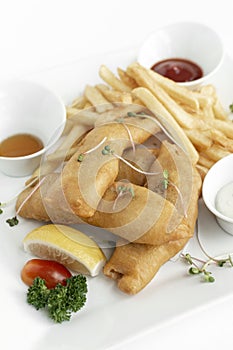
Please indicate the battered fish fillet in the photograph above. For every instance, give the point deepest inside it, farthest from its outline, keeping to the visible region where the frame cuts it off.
(34, 207)
(84, 183)
(144, 218)
(134, 265)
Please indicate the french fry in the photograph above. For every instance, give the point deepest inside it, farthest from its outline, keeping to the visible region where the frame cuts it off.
(79, 102)
(166, 119)
(208, 90)
(202, 171)
(216, 152)
(112, 95)
(88, 105)
(94, 96)
(70, 111)
(219, 111)
(176, 91)
(126, 98)
(205, 161)
(203, 100)
(85, 117)
(112, 80)
(208, 112)
(137, 101)
(198, 139)
(102, 88)
(116, 96)
(219, 138)
(195, 118)
(144, 79)
(129, 81)
(226, 127)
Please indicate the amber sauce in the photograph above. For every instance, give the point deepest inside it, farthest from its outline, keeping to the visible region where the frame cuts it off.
(178, 69)
(20, 145)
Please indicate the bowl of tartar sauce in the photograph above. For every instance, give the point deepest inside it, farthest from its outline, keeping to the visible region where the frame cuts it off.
(217, 192)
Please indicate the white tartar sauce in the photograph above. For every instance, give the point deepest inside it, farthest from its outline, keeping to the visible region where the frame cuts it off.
(224, 200)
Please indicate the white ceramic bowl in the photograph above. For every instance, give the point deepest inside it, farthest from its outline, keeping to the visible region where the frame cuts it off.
(219, 175)
(27, 107)
(189, 40)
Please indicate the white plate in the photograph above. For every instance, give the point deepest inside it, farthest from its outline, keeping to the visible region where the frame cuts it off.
(109, 317)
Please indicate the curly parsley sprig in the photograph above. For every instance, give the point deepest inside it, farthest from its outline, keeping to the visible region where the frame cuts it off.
(60, 302)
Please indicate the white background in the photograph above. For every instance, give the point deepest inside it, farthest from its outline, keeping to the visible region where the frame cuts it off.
(38, 34)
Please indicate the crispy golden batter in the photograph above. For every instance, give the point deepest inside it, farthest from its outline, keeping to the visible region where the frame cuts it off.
(134, 265)
(84, 183)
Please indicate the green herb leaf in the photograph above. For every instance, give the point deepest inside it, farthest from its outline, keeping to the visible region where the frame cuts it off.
(188, 258)
(80, 157)
(131, 114)
(194, 271)
(38, 293)
(13, 221)
(231, 107)
(208, 277)
(107, 150)
(221, 262)
(60, 301)
(165, 174)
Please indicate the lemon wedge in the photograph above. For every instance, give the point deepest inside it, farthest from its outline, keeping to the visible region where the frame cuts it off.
(66, 245)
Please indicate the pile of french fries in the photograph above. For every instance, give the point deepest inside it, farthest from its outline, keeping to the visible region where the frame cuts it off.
(197, 116)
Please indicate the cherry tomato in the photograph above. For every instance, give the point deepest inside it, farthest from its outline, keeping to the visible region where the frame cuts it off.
(51, 271)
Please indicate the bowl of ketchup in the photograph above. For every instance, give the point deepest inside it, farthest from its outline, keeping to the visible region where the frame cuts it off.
(188, 53)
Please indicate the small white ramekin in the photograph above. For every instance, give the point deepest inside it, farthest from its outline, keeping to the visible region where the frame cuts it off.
(219, 175)
(29, 108)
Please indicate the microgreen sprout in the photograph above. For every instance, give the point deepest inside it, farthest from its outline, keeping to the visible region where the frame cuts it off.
(121, 191)
(107, 150)
(166, 181)
(231, 107)
(120, 120)
(143, 115)
(196, 270)
(202, 269)
(125, 189)
(81, 155)
(140, 114)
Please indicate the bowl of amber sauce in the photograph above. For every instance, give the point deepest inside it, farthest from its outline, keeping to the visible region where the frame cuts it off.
(32, 120)
(187, 52)
(217, 192)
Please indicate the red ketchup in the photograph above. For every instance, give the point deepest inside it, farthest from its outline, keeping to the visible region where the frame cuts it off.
(178, 69)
